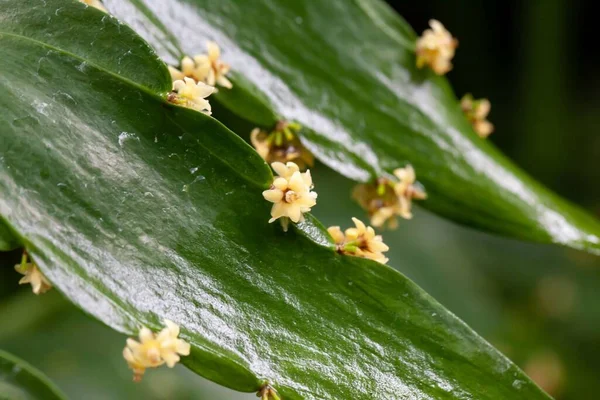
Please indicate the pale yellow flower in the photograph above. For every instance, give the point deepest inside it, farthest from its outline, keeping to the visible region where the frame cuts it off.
(281, 144)
(436, 48)
(384, 215)
(189, 69)
(190, 94)
(406, 190)
(336, 234)
(360, 241)
(33, 275)
(388, 198)
(94, 3)
(215, 67)
(207, 68)
(291, 194)
(476, 112)
(155, 350)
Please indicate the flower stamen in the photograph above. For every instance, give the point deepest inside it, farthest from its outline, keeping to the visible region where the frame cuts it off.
(282, 144)
(267, 392)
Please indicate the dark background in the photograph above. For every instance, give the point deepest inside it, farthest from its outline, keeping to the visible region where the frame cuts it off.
(538, 63)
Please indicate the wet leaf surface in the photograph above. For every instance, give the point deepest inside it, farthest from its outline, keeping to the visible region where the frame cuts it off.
(137, 210)
(346, 71)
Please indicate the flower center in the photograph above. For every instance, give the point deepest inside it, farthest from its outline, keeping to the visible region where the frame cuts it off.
(291, 196)
(153, 355)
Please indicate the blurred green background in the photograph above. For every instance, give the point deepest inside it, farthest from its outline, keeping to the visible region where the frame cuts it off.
(536, 62)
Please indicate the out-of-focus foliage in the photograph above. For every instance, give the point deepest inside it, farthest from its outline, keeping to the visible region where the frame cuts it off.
(20, 381)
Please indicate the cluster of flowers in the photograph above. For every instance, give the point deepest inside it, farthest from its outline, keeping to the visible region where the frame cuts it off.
(390, 197)
(197, 79)
(436, 48)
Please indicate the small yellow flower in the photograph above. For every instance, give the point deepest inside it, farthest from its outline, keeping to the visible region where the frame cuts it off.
(190, 94)
(95, 3)
(436, 48)
(387, 198)
(406, 190)
(267, 392)
(360, 241)
(189, 69)
(207, 68)
(155, 350)
(217, 69)
(281, 144)
(33, 275)
(386, 214)
(476, 112)
(291, 194)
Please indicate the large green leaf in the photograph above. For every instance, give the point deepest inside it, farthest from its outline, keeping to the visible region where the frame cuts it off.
(138, 210)
(20, 381)
(346, 70)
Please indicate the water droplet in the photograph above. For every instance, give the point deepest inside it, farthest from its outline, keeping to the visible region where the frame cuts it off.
(40, 107)
(193, 170)
(82, 67)
(186, 188)
(517, 384)
(125, 136)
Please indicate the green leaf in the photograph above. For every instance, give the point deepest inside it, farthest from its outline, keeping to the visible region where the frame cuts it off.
(20, 381)
(137, 210)
(346, 71)
(8, 241)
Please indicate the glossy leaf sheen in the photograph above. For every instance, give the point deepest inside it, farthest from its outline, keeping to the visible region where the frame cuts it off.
(138, 210)
(346, 70)
(20, 381)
